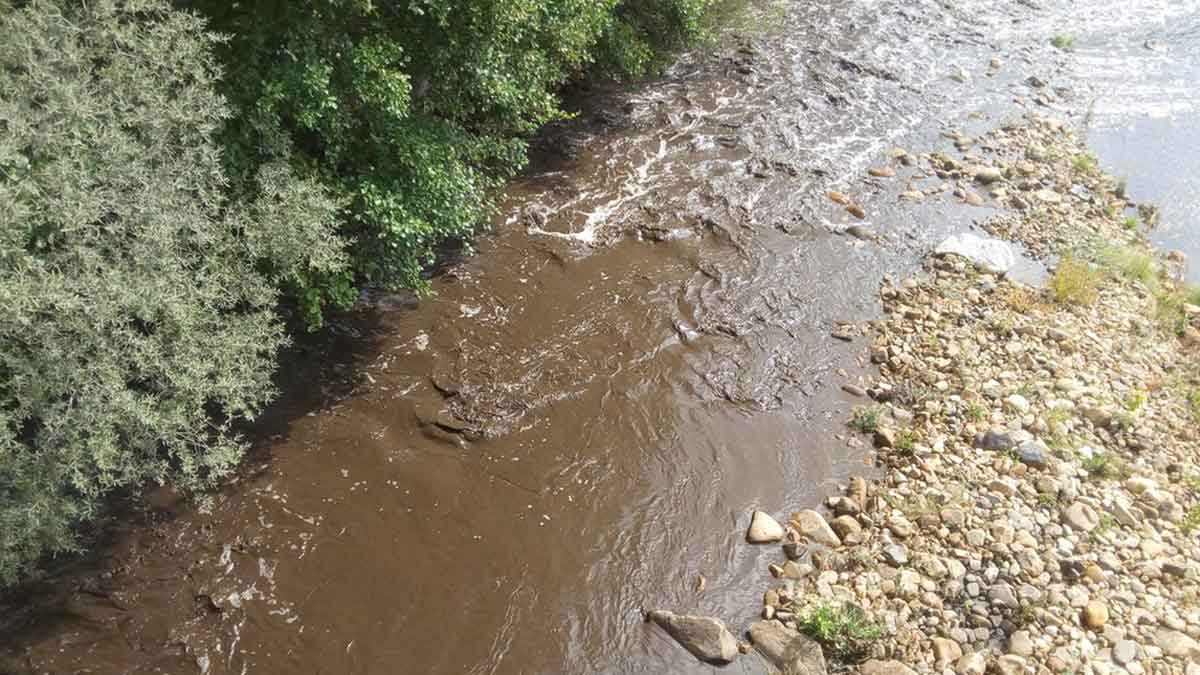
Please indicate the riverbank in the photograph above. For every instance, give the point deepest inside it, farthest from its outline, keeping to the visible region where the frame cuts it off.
(1038, 507)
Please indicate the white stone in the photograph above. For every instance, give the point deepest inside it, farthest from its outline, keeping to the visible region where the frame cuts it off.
(763, 529)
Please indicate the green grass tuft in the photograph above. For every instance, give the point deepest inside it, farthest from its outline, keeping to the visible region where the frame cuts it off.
(845, 632)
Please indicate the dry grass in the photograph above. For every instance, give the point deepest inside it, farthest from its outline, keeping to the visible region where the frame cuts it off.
(1075, 282)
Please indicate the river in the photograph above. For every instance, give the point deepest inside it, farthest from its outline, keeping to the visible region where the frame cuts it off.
(501, 477)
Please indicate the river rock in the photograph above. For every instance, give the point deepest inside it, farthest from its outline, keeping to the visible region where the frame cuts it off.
(705, 637)
(1125, 651)
(1080, 516)
(971, 664)
(946, 651)
(1174, 643)
(993, 255)
(876, 667)
(1034, 453)
(812, 526)
(1095, 615)
(790, 651)
(987, 174)
(764, 529)
(846, 528)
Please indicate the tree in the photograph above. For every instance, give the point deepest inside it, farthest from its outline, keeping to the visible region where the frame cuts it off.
(139, 322)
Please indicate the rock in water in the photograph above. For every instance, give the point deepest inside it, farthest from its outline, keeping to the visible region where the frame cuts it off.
(992, 255)
(788, 650)
(705, 637)
(763, 529)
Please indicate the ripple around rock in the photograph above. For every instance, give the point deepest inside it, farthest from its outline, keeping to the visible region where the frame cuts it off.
(705, 637)
(764, 529)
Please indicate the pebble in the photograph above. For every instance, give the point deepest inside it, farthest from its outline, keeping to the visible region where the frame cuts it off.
(764, 529)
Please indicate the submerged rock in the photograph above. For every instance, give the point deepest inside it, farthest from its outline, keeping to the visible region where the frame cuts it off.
(763, 529)
(705, 637)
(993, 255)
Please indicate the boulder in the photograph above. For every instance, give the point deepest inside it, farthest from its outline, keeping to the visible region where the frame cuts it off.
(705, 637)
(788, 650)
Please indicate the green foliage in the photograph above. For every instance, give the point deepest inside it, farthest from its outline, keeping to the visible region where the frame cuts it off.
(138, 325)
(412, 113)
(865, 419)
(1063, 42)
(846, 632)
(1191, 520)
(1084, 163)
(1106, 466)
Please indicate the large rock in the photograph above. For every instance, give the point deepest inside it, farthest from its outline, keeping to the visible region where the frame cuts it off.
(1174, 643)
(791, 652)
(993, 255)
(812, 526)
(763, 529)
(705, 637)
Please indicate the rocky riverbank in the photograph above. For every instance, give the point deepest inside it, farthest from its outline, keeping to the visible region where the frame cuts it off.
(1039, 500)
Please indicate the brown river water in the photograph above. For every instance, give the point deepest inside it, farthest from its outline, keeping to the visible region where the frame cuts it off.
(501, 477)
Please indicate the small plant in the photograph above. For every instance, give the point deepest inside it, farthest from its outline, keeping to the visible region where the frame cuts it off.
(1132, 263)
(1022, 300)
(1084, 163)
(1063, 42)
(865, 419)
(1110, 212)
(1191, 521)
(976, 412)
(1106, 466)
(1106, 523)
(1131, 223)
(906, 442)
(1193, 405)
(1074, 282)
(845, 632)
(1134, 400)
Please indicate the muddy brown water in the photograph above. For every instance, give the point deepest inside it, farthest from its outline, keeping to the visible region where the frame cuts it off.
(500, 478)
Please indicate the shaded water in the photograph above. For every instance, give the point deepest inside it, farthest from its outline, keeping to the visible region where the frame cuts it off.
(500, 478)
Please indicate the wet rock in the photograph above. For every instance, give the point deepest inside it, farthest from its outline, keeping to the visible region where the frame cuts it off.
(856, 211)
(860, 232)
(764, 529)
(837, 197)
(705, 637)
(794, 550)
(790, 651)
(882, 171)
(993, 255)
(812, 526)
(973, 199)
(854, 390)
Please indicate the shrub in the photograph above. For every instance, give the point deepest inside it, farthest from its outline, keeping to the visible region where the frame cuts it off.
(846, 632)
(413, 113)
(138, 327)
(1074, 282)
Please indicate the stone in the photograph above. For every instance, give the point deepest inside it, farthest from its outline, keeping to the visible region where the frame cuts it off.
(813, 527)
(946, 651)
(1017, 403)
(876, 667)
(1095, 615)
(987, 174)
(1081, 517)
(1020, 643)
(901, 527)
(1125, 651)
(764, 529)
(992, 255)
(973, 663)
(896, 554)
(704, 637)
(1002, 594)
(1034, 454)
(846, 527)
(1174, 643)
(792, 652)
(794, 550)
